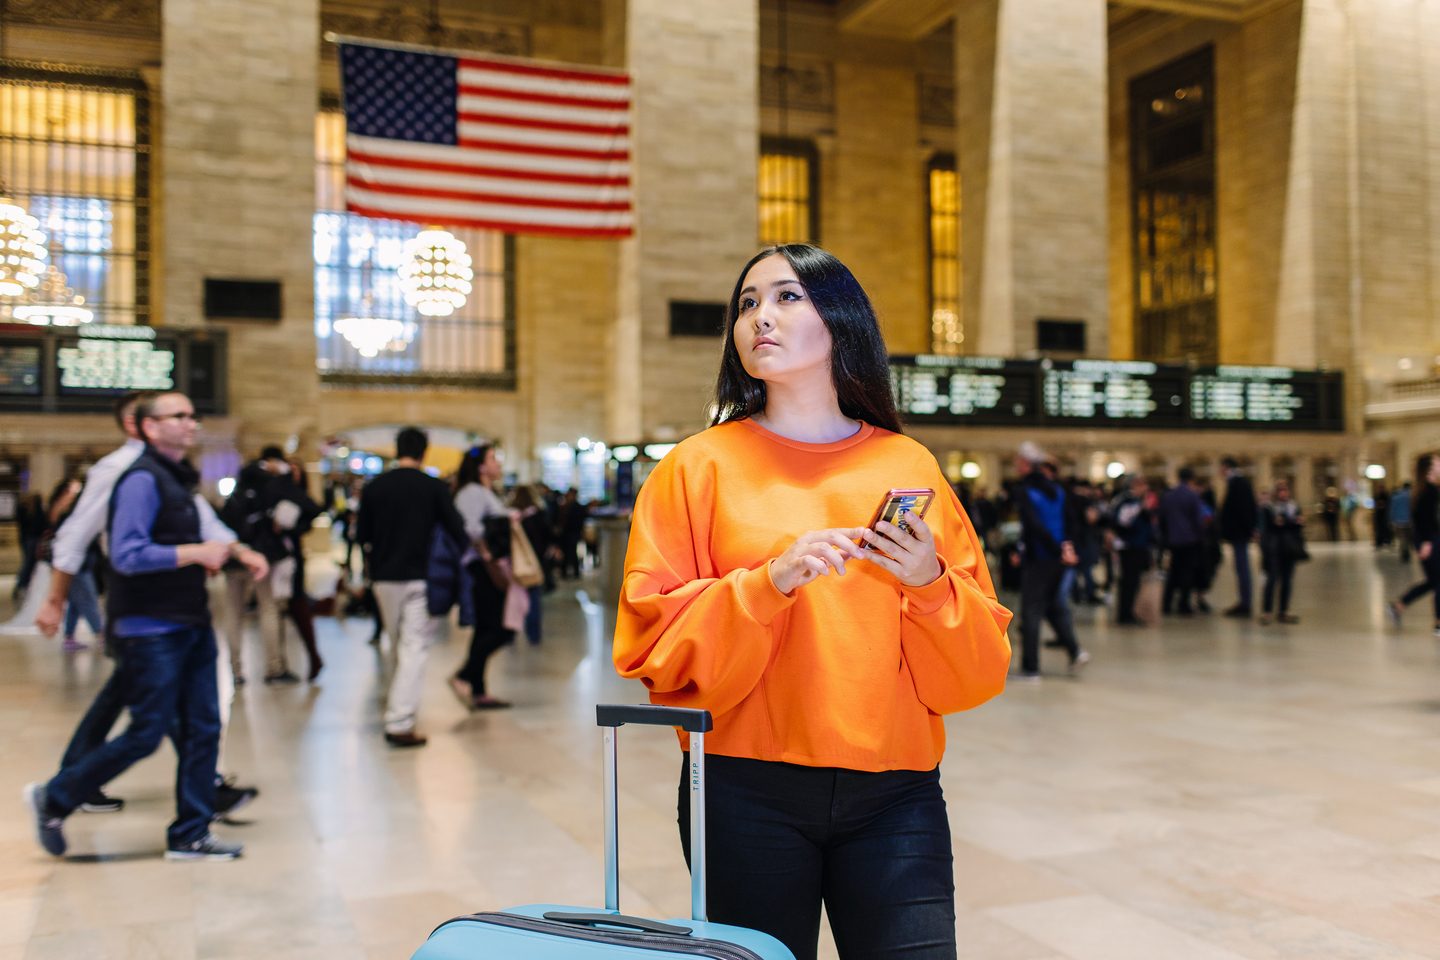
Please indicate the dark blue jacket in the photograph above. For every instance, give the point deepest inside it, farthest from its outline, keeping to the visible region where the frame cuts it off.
(1182, 517)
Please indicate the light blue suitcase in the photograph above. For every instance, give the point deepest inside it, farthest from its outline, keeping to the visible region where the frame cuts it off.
(553, 932)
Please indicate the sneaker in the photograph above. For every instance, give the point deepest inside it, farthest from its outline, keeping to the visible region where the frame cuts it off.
(491, 703)
(71, 645)
(1238, 612)
(1287, 618)
(408, 738)
(287, 678)
(1081, 658)
(229, 798)
(1026, 677)
(208, 847)
(49, 829)
(1394, 611)
(100, 802)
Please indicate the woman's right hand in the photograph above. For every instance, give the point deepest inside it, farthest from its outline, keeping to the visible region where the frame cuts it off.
(815, 553)
(1424, 550)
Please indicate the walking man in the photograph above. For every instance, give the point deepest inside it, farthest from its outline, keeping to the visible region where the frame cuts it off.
(1048, 550)
(160, 624)
(1238, 517)
(399, 513)
(72, 541)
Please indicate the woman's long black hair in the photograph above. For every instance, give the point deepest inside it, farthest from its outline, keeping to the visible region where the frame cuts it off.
(859, 363)
(469, 471)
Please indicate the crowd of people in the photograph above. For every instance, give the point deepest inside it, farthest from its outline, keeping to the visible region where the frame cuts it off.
(137, 529)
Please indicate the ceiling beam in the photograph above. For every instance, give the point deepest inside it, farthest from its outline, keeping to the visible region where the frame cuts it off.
(898, 19)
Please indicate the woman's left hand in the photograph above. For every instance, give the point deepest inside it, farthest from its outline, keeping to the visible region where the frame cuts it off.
(909, 556)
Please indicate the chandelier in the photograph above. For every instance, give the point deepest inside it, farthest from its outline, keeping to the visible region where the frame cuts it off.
(370, 336)
(435, 277)
(54, 303)
(22, 249)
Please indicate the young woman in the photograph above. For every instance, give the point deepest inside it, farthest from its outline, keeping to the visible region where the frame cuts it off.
(1425, 520)
(828, 652)
(1282, 544)
(485, 519)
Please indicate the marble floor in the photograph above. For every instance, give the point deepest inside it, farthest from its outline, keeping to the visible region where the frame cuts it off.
(1209, 790)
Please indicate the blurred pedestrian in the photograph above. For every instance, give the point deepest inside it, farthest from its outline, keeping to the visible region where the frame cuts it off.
(1425, 518)
(1400, 520)
(1047, 549)
(1282, 546)
(1239, 515)
(487, 525)
(30, 525)
(1182, 522)
(1133, 539)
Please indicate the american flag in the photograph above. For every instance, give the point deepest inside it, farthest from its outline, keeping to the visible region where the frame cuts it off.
(497, 144)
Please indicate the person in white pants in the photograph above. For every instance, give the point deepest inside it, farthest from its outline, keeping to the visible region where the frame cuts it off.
(400, 513)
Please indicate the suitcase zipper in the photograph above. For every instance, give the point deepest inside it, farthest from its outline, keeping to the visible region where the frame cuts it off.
(719, 949)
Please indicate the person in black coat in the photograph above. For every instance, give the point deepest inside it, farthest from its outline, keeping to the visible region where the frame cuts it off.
(1238, 518)
(1425, 527)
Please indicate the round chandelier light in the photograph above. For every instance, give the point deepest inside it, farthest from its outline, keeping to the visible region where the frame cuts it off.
(22, 249)
(435, 277)
(54, 304)
(372, 335)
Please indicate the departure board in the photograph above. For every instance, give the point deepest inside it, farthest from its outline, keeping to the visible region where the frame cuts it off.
(1114, 393)
(83, 369)
(1255, 396)
(965, 389)
(20, 370)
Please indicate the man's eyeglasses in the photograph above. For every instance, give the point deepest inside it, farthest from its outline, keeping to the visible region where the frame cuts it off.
(186, 415)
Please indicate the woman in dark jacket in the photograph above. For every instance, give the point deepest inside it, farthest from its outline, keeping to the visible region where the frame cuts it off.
(1425, 527)
(1282, 546)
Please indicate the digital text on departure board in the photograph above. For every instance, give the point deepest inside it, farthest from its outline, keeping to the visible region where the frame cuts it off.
(1115, 393)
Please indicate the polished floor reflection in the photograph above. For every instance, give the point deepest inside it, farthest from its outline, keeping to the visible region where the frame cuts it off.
(1207, 791)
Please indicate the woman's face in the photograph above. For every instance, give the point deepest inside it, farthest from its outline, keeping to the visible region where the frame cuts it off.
(1282, 492)
(1433, 474)
(778, 332)
(490, 468)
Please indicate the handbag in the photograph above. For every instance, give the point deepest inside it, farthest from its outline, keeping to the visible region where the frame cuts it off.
(524, 564)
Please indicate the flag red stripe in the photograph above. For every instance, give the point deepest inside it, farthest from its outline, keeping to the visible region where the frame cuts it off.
(532, 123)
(504, 94)
(504, 226)
(441, 193)
(503, 147)
(553, 72)
(437, 167)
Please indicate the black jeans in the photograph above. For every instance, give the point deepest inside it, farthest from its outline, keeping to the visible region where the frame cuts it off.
(1040, 600)
(1184, 571)
(1279, 572)
(490, 633)
(873, 847)
(1133, 564)
(1431, 568)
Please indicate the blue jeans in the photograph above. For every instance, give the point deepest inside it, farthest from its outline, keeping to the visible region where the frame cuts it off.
(170, 688)
(98, 721)
(1242, 572)
(532, 618)
(874, 847)
(83, 602)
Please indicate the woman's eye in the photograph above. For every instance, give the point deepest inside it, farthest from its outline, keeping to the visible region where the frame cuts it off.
(789, 295)
(746, 303)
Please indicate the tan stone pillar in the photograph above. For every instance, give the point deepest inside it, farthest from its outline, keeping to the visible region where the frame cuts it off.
(1031, 107)
(695, 141)
(238, 183)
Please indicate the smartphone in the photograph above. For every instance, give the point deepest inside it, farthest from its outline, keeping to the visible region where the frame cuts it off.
(912, 500)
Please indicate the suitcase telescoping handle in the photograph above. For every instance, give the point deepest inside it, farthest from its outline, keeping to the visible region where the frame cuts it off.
(694, 722)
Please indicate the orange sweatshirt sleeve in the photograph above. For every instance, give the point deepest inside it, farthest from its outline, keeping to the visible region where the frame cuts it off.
(696, 636)
(952, 633)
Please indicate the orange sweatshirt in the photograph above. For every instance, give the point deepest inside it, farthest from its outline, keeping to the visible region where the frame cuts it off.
(851, 671)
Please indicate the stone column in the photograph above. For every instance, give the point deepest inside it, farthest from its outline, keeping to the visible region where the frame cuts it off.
(239, 93)
(1031, 108)
(694, 145)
